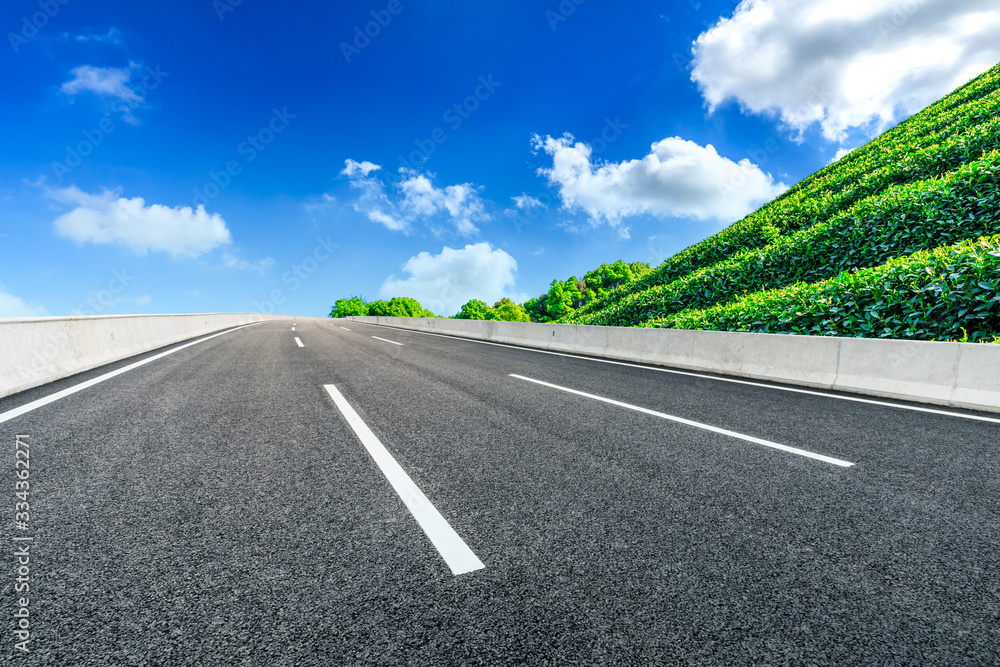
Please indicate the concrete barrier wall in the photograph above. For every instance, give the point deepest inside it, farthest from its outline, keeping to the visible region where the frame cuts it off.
(38, 350)
(962, 375)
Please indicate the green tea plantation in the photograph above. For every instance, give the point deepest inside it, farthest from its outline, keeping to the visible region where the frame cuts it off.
(899, 239)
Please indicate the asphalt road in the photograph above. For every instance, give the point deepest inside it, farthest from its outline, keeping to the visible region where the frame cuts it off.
(216, 506)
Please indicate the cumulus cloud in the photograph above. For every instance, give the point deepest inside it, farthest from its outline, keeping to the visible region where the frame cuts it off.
(109, 218)
(12, 306)
(678, 178)
(460, 203)
(415, 198)
(442, 283)
(372, 199)
(353, 169)
(844, 64)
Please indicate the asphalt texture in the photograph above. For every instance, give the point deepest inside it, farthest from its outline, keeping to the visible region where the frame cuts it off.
(214, 508)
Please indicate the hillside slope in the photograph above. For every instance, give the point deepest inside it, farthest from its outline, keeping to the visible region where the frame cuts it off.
(901, 238)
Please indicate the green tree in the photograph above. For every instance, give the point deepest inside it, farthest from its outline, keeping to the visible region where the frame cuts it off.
(474, 310)
(574, 290)
(379, 309)
(403, 306)
(400, 306)
(639, 269)
(609, 276)
(506, 310)
(558, 304)
(564, 297)
(536, 309)
(353, 307)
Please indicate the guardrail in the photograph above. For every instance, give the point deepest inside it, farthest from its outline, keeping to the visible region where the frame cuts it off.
(38, 350)
(963, 375)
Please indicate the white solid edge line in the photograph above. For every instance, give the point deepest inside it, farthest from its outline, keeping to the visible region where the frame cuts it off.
(453, 549)
(810, 392)
(385, 340)
(688, 422)
(34, 405)
(298, 342)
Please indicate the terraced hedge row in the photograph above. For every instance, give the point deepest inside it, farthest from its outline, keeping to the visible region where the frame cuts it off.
(753, 233)
(972, 104)
(936, 123)
(948, 293)
(913, 160)
(900, 221)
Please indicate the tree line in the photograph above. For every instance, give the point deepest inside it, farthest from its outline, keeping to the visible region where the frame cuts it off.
(560, 302)
(401, 306)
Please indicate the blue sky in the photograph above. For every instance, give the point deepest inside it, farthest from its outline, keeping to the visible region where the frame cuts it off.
(202, 156)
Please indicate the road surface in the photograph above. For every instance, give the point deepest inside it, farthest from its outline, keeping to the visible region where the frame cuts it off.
(350, 494)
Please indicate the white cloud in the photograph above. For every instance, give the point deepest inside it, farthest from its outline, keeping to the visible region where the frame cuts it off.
(353, 169)
(390, 222)
(112, 36)
(372, 200)
(235, 262)
(527, 202)
(443, 283)
(841, 153)
(112, 84)
(845, 64)
(417, 199)
(321, 204)
(12, 306)
(143, 300)
(102, 81)
(109, 218)
(460, 202)
(678, 178)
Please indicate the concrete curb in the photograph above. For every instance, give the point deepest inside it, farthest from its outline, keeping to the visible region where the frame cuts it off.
(39, 350)
(962, 375)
